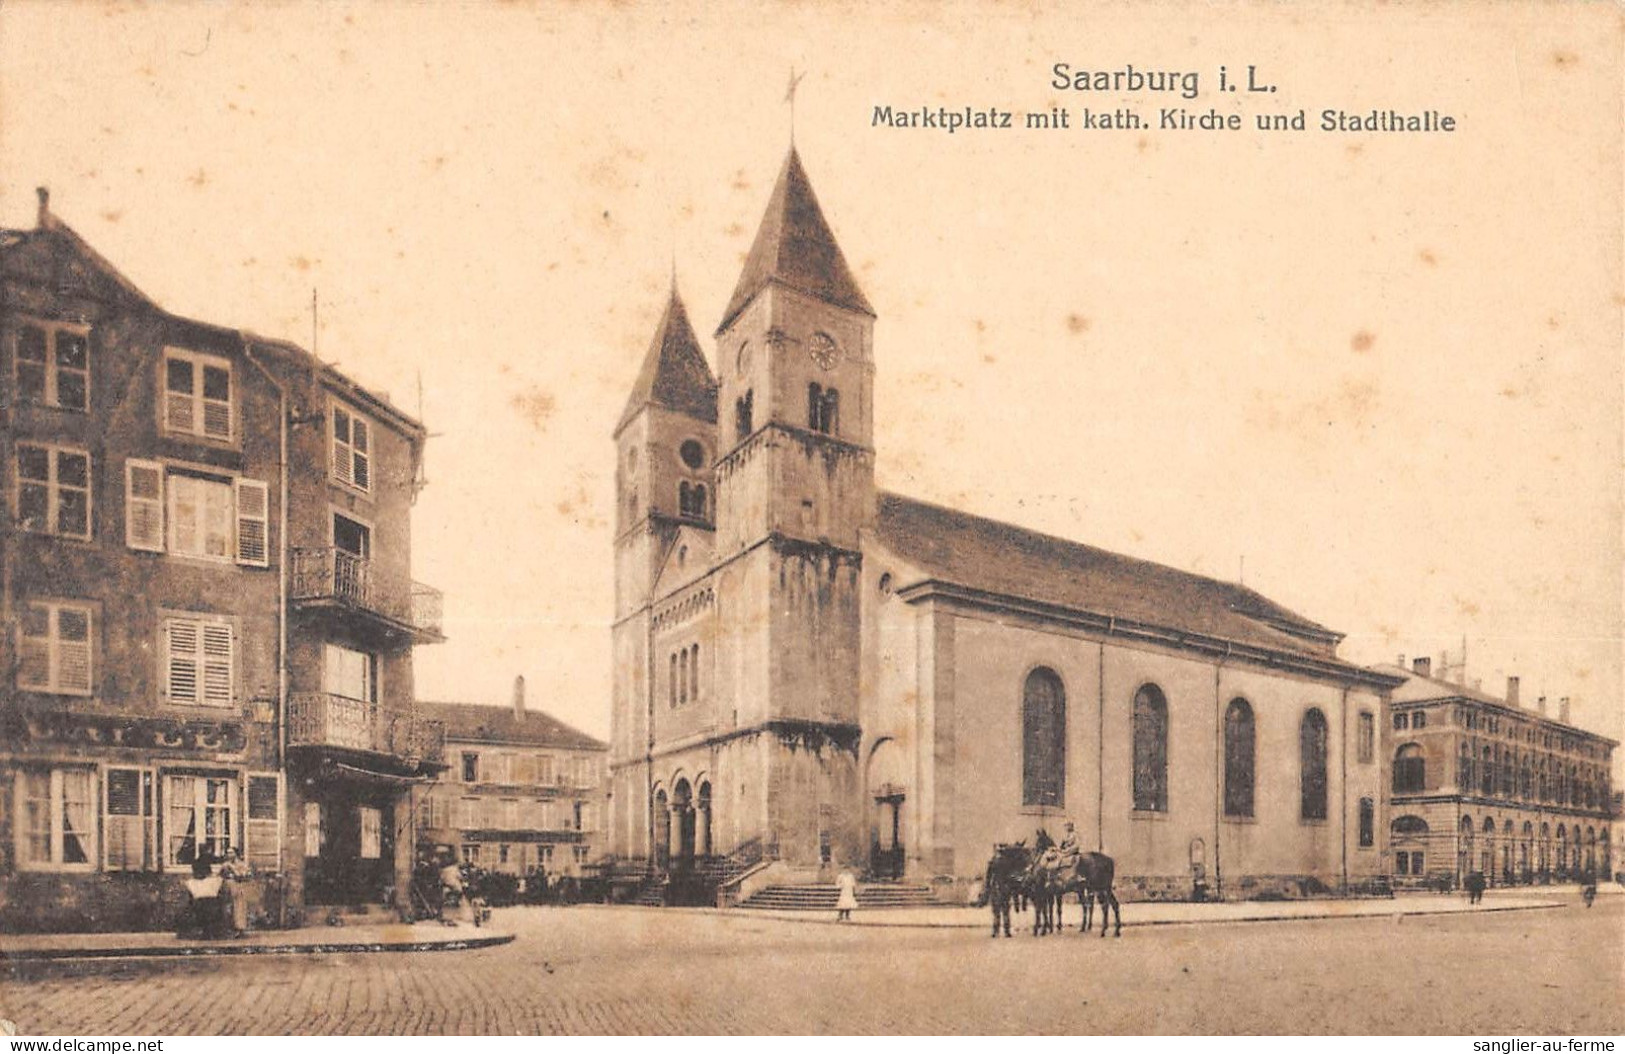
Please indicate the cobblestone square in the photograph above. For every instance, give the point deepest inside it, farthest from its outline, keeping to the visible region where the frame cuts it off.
(638, 971)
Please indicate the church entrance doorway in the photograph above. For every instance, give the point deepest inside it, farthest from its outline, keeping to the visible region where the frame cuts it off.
(886, 840)
(682, 807)
(888, 770)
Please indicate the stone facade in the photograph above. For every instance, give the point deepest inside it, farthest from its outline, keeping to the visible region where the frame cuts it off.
(1496, 786)
(207, 604)
(522, 790)
(809, 668)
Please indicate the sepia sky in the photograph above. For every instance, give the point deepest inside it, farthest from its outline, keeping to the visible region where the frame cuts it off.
(1383, 368)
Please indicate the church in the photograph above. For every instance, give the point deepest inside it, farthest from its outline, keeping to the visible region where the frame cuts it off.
(814, 671)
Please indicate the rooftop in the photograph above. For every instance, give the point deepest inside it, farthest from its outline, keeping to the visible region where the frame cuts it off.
(480, 723)
(795, 248)
(984, 554)
(1425, 688)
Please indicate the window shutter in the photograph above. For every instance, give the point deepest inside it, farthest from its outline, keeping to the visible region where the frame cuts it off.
(73, 649)
(217, 664)
(253, 523)
(144, 505)
(216, 402)
(341, 446)
(183, 661)
(128, 836)
(178, 411)
(263, 829)
(34, 658)
(360, 456)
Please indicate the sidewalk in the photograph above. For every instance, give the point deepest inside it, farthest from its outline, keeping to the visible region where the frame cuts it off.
(1155, 913)
(395, 937)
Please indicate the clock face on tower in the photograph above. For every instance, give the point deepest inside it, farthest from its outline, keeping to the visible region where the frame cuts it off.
(822, 350)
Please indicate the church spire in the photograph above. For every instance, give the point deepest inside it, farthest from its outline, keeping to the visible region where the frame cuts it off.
(795, 248)
(675, 374)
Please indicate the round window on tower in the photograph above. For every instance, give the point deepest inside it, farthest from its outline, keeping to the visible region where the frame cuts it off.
(692, 453)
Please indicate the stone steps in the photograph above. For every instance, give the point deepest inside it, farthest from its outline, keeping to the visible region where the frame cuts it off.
(822, 897)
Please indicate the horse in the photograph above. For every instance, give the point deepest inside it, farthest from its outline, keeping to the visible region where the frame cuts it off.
(1042, 889)
(1005, 873)
(1091, 879)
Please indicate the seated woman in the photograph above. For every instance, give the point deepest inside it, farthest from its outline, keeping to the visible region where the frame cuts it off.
(205, 916)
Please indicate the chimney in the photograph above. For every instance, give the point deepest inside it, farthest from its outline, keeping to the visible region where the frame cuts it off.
(519, 696)
(1512, 691)
(1540, 706)
(1422, 666)
(1563, 709)
(1400, 662)
(44, 204)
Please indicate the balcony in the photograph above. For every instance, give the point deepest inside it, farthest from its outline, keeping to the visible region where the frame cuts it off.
(338, 581)
(337, 723)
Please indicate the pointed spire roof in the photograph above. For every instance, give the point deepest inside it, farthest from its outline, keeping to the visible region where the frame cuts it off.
(795, 248)
(675, 374)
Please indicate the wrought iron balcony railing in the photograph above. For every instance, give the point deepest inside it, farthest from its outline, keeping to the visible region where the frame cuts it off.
(338, 577)
(323, 719)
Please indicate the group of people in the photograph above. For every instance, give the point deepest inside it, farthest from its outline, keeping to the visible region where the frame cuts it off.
(218, 901)
(451, 890)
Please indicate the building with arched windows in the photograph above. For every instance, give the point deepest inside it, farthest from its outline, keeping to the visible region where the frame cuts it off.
(1491, 785)
(812, 670)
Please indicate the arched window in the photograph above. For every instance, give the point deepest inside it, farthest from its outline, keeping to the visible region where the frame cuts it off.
(823, 407)
(1150, 750)
(1043, 739)
(1409, 826)
(1368, 823)
(1312, 766)
(694, 665)
(685, 500)
(1239, 743)
(701, 501)
(742, 415)
(1486, 774)
(1410, 770)
(1464, 770)
(672, 680)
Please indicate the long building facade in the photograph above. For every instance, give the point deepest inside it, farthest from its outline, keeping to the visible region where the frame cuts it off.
(812, 670)
(523, 790)
(209, 614)
(1496, 786)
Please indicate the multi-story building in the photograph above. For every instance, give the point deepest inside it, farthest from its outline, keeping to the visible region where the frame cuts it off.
(523, 790)
(809, 667)
(1491, 785)
(208, 612)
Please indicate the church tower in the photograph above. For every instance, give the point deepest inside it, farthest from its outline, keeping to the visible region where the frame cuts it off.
(666, 442)
(795, 486)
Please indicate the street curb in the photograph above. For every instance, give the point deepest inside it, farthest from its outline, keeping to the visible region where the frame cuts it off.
(207, 951)
(747, 913)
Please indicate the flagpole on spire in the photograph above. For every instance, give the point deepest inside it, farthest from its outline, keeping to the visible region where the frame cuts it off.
(790, 97)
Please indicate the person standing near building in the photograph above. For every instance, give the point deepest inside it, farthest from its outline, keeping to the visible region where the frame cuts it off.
(846, 899)
(234, 876)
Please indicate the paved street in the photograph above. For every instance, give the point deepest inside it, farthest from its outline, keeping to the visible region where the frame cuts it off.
(607, 970)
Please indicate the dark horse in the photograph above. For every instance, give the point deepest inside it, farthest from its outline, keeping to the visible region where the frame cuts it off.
(1006, 872)
(1091, 878)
